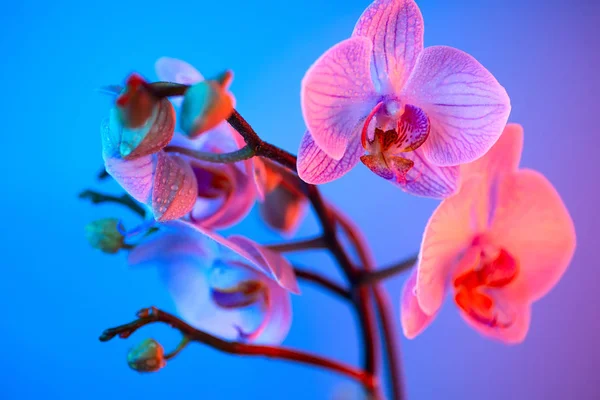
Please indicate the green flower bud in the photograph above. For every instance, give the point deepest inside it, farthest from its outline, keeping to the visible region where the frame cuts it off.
(148, 356)
(104, 235)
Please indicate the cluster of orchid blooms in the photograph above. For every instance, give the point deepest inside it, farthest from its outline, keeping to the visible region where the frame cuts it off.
(432, 121)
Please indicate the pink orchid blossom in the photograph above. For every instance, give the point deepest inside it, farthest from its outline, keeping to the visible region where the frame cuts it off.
(282, 203)
(231, 287)
(133, 156)
(500, 244)
(410, 114)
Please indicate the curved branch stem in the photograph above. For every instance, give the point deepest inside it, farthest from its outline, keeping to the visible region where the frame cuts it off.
(323, 282)
(382, 304)
(299, 245)
(223, 158)
(375, 276)
(153, 315)
(125, 200)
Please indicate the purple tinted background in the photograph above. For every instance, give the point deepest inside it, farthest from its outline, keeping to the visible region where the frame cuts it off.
(57, 295)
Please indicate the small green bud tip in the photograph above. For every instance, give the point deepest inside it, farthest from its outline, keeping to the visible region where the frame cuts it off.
(104, 234)
(148, 356)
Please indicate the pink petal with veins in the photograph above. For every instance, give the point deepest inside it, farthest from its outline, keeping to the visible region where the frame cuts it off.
(316, 167)
(395, 28)
(337, 94)
(428, 180)
(466, 105)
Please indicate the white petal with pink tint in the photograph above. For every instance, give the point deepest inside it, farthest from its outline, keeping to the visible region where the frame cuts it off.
(466, 105)
(271, 263)
(316, 167)
(448, 235)
(337, 94)
(532, 223)
(396, 29)
(178, 71)
(413, 319)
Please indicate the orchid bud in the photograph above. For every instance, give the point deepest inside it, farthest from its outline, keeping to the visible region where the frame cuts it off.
(148, 356)
(144, 123)
(104, 234)
(284, 204)
(136, 103)
(206, 104)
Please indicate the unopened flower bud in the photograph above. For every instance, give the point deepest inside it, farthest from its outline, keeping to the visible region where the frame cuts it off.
(104, 235)
(145, 124)
(148, 356)
(206, 104)
(136, 103)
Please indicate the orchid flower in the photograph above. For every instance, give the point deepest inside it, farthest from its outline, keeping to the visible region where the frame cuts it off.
(231, 287)
(226, 192)
(500, 244)
(410, 114)
(132, 143)
(282, 203)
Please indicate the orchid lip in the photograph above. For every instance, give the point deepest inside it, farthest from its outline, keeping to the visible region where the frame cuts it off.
(494, 268)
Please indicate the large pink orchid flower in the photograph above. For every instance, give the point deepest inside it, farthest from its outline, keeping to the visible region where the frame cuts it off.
(498, 245)
(410, 114)
(226, 192)
(231, 287)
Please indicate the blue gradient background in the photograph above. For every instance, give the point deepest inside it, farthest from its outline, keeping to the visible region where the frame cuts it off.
(57, 294)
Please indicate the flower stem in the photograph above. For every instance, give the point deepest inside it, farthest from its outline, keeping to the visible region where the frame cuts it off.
(323, 282)
(299, 245)
(153, 315)
(223, 158)
(382, 304)
(375, 276)
(360, 296)
(126, 200)
(182, 345)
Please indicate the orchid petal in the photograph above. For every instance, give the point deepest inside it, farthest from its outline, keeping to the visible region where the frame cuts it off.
(426, 179)
(238, 249)
(396, 29)
(280, 316)
(448, 234)
(514, 333)
(316, 167)
(135, 176)
(532, 223)
(414, 320)
(177, 71)
(270, 263)
(503, 157)
(338, 94)
(466, 105)
(175, 188)
(174, 238)
(283, 209)
(237, 204)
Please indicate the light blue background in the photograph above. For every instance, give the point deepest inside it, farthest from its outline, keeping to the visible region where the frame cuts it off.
(57, 294)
